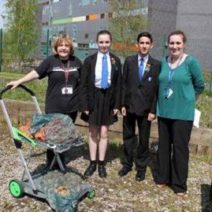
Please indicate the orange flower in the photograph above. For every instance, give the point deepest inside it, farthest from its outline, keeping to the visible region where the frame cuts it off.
(147, 68)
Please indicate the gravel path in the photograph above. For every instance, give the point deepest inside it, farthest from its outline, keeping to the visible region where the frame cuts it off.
(113, 193)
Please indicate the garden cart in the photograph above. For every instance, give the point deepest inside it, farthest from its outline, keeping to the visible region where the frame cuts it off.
(62, 188)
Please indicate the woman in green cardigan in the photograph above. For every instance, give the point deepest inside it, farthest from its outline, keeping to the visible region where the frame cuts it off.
(180, 83)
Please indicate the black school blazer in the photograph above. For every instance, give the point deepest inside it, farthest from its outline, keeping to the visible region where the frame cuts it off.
(140, 96)
(87, 84)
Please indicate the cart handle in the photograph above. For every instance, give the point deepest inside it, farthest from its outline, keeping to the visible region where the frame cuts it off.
(21, 137)
(20, 86)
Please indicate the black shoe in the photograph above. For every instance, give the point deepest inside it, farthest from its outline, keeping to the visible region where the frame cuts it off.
(140, 176)
(90, 170)
(102, 171)
(124, 171)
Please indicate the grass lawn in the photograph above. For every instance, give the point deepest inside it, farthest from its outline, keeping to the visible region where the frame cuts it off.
(39, 87)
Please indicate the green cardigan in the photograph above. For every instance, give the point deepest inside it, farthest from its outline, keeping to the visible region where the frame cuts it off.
(187, 82)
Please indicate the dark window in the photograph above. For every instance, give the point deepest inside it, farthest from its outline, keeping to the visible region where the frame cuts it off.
(110, 15)
(45, 23)
(102, 16)
(83, 45)
(86, 35)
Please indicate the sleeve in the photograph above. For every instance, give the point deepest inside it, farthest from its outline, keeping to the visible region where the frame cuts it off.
(118, 85)
(196, 75)
(79, 64)
(43, 68)
(124, 79)
(84, 85)
(154, 102)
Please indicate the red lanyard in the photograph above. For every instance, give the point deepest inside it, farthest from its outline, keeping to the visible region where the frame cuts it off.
(66, 71)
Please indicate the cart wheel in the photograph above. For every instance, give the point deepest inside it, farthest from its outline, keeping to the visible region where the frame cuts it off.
(91, 194)
(16, 188)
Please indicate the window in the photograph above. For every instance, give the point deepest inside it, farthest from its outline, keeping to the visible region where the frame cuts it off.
(83, 45)
(110, 15)
(102, 15)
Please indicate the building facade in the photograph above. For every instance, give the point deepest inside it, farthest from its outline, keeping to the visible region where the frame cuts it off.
(192, 16)
(83, 18)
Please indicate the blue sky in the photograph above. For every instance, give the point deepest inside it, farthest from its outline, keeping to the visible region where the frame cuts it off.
(2, 2)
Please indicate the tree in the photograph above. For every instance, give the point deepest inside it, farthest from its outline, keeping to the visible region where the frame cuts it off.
(126, 23)
(22, 30)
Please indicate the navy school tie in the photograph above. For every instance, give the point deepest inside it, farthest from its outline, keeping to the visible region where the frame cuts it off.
(104, 80)
(141, 68)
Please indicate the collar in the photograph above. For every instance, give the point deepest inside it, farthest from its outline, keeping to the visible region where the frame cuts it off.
(100, 54)
(145, 58)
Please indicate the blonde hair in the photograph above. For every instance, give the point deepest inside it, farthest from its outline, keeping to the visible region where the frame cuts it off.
(60, 39)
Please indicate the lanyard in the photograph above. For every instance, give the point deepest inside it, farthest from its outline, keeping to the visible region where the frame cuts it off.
(66, 72)
(171, 73)
(170, 77)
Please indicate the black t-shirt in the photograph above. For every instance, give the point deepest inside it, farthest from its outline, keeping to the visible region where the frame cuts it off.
(62, 75)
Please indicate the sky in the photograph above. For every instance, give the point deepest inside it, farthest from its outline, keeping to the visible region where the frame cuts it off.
(2, 2)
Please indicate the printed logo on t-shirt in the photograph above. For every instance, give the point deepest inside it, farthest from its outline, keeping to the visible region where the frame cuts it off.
(71, 69)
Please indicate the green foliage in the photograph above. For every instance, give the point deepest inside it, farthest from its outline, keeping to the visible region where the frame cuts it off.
(127, 22)
(204, 101)
(21, 36)
(204, 105)
(10, 75)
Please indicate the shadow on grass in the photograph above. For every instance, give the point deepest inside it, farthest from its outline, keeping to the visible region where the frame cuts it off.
(206, 197)
(76, 152)
(114, 151)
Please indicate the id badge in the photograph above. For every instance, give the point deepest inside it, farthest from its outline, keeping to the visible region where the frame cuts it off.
(68, 90)
(168, 93)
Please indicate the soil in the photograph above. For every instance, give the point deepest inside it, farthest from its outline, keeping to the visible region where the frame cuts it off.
(113, 194)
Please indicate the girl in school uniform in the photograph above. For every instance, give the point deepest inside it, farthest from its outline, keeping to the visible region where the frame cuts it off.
(100, 99)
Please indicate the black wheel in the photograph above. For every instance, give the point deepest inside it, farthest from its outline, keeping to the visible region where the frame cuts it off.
(16, 188)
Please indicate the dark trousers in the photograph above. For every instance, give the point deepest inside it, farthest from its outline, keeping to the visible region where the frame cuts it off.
(173, 153)
(50, 153)
(130, 141)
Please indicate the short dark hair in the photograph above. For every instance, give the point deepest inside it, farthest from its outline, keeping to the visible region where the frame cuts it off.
(145, 34)
(178, 32)
(103, 32)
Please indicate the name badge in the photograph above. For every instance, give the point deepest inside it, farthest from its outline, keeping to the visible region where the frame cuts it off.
(67, 90)
(168, 93)
(149, 79)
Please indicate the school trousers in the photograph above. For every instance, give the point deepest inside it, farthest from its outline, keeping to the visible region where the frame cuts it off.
(173, 153)
(141, 155)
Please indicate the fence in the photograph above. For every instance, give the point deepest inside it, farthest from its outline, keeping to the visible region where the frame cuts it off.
(44, 49)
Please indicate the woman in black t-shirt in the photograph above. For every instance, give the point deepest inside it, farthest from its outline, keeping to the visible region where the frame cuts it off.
(63, 72)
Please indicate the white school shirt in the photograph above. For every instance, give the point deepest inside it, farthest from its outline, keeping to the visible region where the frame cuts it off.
(145, 61)
(98, 69)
